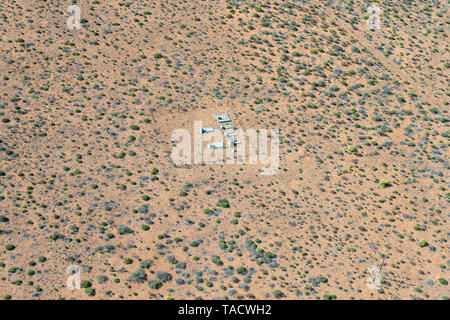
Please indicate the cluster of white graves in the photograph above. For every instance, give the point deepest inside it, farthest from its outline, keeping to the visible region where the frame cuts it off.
(229, 131)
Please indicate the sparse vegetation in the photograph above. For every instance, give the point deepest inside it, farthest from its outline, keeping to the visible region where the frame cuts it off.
(87, 176)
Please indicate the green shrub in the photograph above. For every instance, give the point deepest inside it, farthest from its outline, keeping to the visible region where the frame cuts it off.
(384, 183)
(223, 203)
(241, 269)
(155, 284)
(277, 293)
(85, 284)
(216, 260)
(442, 280)
(423, 243)
(90, 291)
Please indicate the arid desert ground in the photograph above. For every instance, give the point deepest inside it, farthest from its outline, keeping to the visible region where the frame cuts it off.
(87, 179)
